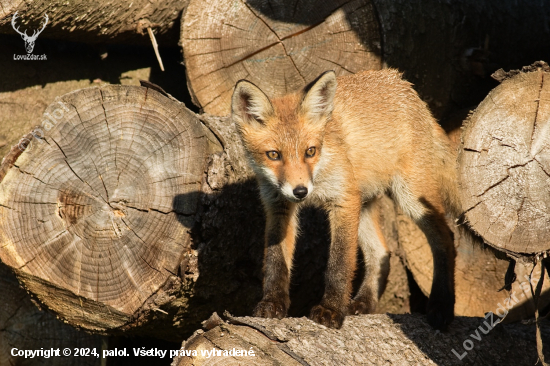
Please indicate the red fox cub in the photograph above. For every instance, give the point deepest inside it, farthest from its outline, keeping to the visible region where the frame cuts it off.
(339, 144)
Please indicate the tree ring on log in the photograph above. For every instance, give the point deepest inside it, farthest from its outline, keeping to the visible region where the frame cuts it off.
(504, 166)
(278, 46)
(98, 209)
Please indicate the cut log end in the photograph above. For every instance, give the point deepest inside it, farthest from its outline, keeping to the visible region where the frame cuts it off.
(99, 205)
(504, 166)
(225, 41)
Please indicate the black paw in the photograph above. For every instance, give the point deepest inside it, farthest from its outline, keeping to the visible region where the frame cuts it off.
(270, 309)
(361, 307)
(327, 317)
(440, 313)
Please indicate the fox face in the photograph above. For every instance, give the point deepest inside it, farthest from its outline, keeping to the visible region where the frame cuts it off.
(283, 137)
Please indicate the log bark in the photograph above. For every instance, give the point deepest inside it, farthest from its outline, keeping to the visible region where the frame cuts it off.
(446, 49)
(363, 340)
(504, 165)
(103, 21)
(25, 327)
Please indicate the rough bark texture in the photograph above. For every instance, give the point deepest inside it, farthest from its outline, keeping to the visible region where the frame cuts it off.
(96, 21)
(504, 166)
(279, 46)
(363, 340)
(447, 49)
(25, 327)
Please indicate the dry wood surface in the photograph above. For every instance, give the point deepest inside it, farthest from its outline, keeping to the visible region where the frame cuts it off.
(363, 340)
(279, 46)
(96, 21)
(95, 214)
(504, 165)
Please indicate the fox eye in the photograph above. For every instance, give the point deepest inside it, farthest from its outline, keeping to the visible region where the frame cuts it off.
(310, 152)
(273, 155)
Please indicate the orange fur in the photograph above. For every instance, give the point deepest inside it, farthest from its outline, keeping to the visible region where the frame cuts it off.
(371, 134)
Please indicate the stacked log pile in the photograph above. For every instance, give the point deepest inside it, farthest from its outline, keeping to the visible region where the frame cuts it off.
(125, 213)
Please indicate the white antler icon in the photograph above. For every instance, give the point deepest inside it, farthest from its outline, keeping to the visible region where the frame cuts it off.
(29, 40)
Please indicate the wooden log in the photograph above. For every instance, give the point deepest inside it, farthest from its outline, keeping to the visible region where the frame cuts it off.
(445, 49)
(89, 191)
(25, 327)
(479, 275)
(105, 21)
(363, 340)
(504, 165)
(278, 46)
(91, 219)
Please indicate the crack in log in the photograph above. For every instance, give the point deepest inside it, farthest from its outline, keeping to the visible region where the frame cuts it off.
(542, 166)
(537, 109)
(102, 182)
(134, 208)
(505, 178)
(32, 175)
(474, 150)
(468, 210)
(517, 222)
(133, 134)
(279, 40)
(493, 185)
(27, 262)
(146, 245)
(337, 64)
(232, 26)
(280, 343)
(76, 175)
(13, 315)
(110, 135)
(293, 63)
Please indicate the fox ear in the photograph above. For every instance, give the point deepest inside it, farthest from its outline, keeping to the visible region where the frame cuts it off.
(318, 101)
(249, 105)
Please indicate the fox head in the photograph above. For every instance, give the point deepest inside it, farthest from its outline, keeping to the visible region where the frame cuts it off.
(283, 137)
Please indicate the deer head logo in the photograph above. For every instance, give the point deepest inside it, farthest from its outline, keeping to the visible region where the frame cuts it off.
(29, 40)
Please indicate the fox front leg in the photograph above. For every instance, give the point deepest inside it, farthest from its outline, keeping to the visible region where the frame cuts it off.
(280, 238)
(344, 222)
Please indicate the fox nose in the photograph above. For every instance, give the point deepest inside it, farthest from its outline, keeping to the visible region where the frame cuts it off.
(300, 192)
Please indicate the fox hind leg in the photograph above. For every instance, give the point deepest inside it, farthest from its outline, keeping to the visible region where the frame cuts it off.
(423, 203)
(440, 310)
(376, 258)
